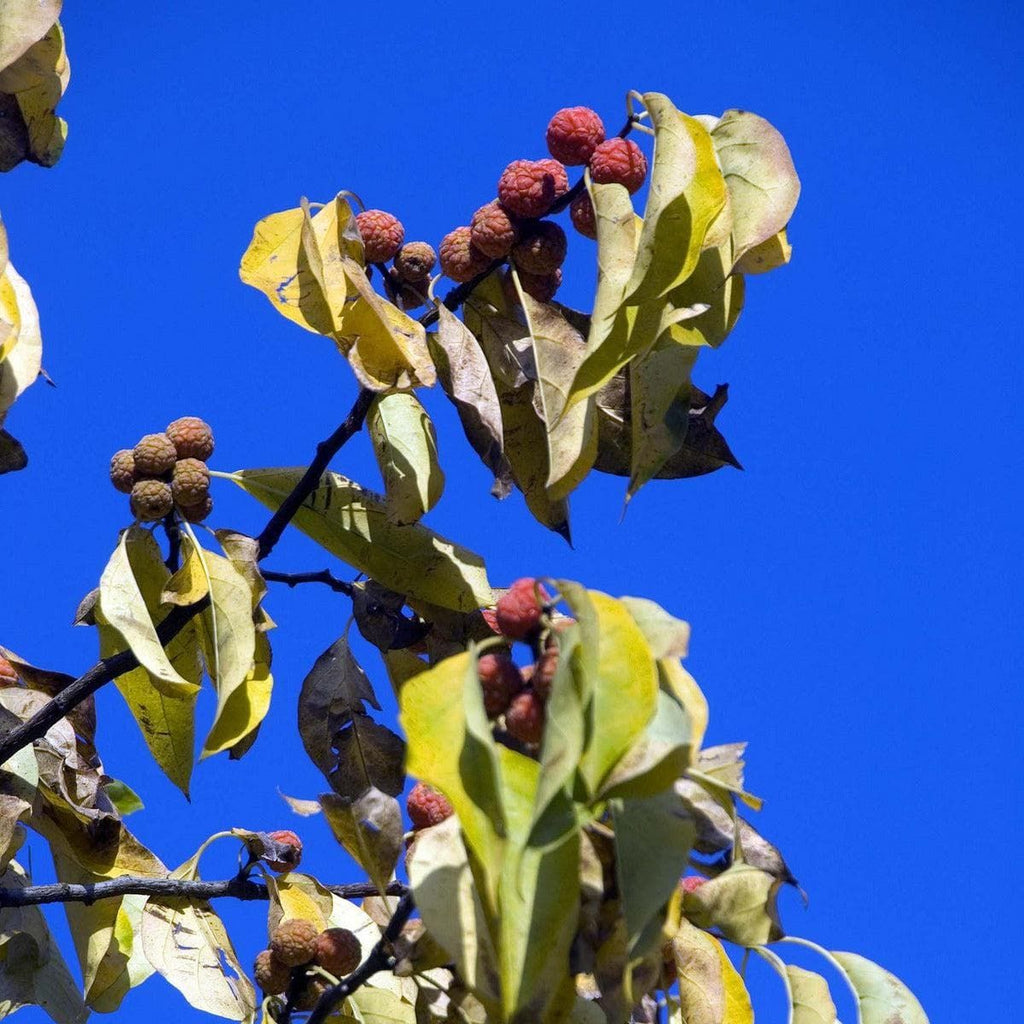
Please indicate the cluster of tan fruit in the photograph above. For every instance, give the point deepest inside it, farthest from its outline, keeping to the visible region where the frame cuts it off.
(510, 228)
(515, 697)
(167, 471)
(299, 958)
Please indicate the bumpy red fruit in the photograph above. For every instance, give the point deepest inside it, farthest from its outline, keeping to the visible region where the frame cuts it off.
(197, 513)
(151, 500)
(524, 719)
(294, 942)
(460, 259)
(529, 188)
(573, 135)
(190, 482)
(122, 470)
(541, 287)
(289, 839)
(415, 261)
(620, 162)
(518, 611)
(427, 807)
(542, 248)
(382, 235)
(500, 681)
(271, 975)
(691, 883)
(493, 231)
(192, 438)
(581, 212)
(338, 951)
(154, 455)
(544, 671)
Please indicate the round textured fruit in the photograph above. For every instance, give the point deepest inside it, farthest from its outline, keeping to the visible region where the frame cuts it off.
(544, 671)
(412, 293)
(197, 513)
(542, 248)
(271, 975)
(151, 500)
(529, 188)
(338, 951)
(500, 681)
(460, 259)
(494, 232)
(192, 438)
(581, 212)
(573, 135)
(541, 287)
(190, 482)
(382, 235)
(518, 611)
(122, 470)
(415, 261)
(309, 994)
(291, 859)
(294, 942)
(524, 719)
(154, 455)
(426, 806)
(619, 162)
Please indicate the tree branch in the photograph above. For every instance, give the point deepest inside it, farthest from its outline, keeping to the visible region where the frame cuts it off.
(380, 959)
(239, 888)
(84, 686)
(325, 451)
(324, 576)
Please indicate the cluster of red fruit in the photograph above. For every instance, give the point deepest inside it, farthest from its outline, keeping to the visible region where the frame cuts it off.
(514, 697)
(510, 227)
(409, 275)
(167, 471)
(295, 947)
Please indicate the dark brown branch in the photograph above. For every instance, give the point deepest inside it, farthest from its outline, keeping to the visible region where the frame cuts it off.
(324, 576)
(325, 451)
(84, 686)
(380, 959)
(239, 888)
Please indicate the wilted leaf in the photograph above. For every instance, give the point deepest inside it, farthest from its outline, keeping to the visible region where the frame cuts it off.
(710, 990)
(380, 617)
(881, 997)
(370, 829)
(771, 253)
(687, 192)
(720, 288)
(464, 375)
(12, 454)
(378, 1006)
(21, 344)
(23, 24)
(740, 903)
(667, 636)
(352, 523)
(296, 895)
(722, 766)
(242, 711)
(405, 445)
(811, 999)
(674, 679)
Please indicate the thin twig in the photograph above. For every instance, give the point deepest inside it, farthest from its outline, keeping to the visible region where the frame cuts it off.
(239, 888)
(380, 959)
(325, 451)
(324, 576)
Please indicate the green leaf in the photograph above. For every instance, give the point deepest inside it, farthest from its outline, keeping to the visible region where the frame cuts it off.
(759, 172)
(352, 523)
(370, 829)
(464, 375)
(135, 563)
(881, 997)
(653, 837)
(22, 24)
(666, 636)
(687, 192)
(772, 253)
(721, 289)
(710, 989)
(810, 997)
(740, 903)
(125, 800)
(378, 1006)
(625, 690)
(242, 711)
(406, 449)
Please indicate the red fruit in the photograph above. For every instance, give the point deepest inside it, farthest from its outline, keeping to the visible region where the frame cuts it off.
(8, 676)
(524, 719)
(494, 232)
(529, 188)
(122, 470)
(581, 212)
(518, 612)
(338, 951)
(691, 883)
(544, 671)
(271, 975)
(460, 259)
(382, 234)
(291, 859)
(542, 248)
(573, 135)
(619, 161)
(294, 942)
(491, 618)
(426, 806)
(500, 681)
(541, 287)
(415, 261)
(192, 438)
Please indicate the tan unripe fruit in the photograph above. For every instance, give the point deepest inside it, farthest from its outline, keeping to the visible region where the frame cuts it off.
(294, 942)
(271, 975)
(192, 438)
(154, 455)
(151, 500)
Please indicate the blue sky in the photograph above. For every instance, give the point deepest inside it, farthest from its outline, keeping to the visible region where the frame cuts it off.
(854, 593)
